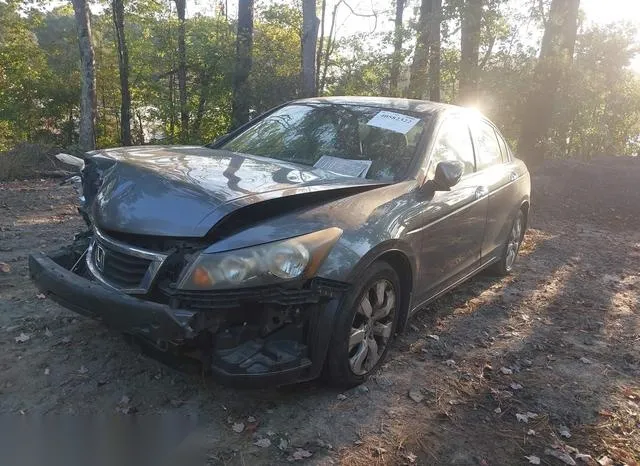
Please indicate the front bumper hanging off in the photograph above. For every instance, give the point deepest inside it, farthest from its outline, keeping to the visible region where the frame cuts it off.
(292, 353)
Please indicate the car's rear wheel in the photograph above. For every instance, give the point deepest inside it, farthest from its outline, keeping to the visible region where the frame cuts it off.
(365, 327)
(512, 247)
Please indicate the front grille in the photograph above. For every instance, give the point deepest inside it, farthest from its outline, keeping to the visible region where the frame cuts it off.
(120, 268)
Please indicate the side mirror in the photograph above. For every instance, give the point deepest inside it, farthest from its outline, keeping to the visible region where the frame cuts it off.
(447, 175)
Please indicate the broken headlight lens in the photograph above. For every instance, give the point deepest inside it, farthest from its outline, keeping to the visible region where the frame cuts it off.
(290, 259)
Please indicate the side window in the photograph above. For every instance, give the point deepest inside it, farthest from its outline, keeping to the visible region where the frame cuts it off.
(453, 143)
(506, 157)
(486, 144)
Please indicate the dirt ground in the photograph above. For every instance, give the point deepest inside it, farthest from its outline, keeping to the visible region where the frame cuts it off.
(544, 363)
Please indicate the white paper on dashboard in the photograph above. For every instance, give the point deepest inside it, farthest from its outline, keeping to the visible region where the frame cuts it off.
(396, 122)
(349, 167)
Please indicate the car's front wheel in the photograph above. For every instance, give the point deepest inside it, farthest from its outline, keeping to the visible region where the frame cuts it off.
(365, 327)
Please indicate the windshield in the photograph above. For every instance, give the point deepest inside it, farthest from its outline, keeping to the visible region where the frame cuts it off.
(351, 140)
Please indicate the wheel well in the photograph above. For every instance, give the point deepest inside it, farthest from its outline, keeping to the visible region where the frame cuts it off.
(525, 210)
(402, 266)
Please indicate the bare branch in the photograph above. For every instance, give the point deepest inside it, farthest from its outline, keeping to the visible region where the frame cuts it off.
(373, 13)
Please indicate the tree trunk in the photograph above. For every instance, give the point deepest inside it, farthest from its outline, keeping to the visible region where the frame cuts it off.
(172, 108)
(309, 42)
(123, 63)
(202, 102)
(396, 59)
(70, 127)
(88, 100)
(469, 51)
(182, 71)
(329, 48)
(320, 44)
(420, 63)
(434, 51)
(244, 46)
(556, 55)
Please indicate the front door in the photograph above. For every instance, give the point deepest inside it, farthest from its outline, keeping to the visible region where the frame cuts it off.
(451, 236)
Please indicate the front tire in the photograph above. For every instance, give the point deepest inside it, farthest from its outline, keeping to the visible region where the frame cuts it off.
(365, 327)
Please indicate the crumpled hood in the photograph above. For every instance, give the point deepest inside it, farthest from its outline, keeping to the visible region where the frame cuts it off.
(184, 191)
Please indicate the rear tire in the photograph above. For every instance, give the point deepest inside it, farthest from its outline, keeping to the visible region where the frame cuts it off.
(505, 265)
(364, 327)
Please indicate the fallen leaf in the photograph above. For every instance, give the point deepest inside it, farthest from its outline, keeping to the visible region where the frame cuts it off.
(84, 370)
(584, 360)
(498, 410)
(434, 337)
(561, 455)
(515, 386)
(416, 395)
(341, 397)
(585, 458)
(4, 267)
(300, 454)
(263, 442)
(533, 459)
(525, 417)
(506, 371)
(41, 296)
(48, 333)
(237, 427)
(531, 432)
(564, 431)
(411, 458)
(379, 451)
(22, 338)
(605, 461)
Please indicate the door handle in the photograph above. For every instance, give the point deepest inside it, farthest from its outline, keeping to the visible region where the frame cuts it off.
(481, 191)
(513, 176)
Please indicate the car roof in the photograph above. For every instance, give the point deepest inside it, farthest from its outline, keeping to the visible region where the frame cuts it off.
(423, 107)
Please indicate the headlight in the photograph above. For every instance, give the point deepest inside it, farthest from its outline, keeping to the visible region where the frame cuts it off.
(279, 261)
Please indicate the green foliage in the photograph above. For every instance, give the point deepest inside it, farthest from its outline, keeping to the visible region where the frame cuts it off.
(23, 76)
(603, 106)
(40, 81)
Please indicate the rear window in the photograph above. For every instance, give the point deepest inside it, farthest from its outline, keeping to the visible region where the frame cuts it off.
(506, 155)
(487, 148)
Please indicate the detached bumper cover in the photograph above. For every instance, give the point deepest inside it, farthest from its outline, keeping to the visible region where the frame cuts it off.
(118, 310)
(287, 356)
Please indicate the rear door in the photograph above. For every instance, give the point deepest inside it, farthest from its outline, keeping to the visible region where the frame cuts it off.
(451, 238)
(497, 170)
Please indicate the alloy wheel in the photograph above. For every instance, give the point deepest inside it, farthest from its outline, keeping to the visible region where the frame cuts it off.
(513, 244)
(372, 326)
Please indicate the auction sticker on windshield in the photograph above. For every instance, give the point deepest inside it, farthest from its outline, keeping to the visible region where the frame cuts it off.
(396, 122)
(349, 167)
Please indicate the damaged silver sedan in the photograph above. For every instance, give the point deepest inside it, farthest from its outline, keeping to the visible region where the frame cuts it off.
(297, 245)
